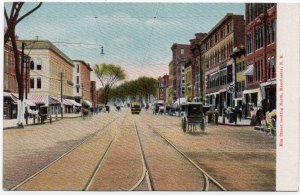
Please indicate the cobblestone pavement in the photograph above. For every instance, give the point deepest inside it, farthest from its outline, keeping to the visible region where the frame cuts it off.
(239, 158)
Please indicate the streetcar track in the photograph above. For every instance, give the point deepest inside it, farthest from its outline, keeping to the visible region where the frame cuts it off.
(145, 173)
(59, 158)
(97, 168)
(207, 177)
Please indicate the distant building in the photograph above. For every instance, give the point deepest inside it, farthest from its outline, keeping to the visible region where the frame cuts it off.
(82, 80)
(94, 94)
(181, 52)
(10, 85)
(260, 55)
(162, 88)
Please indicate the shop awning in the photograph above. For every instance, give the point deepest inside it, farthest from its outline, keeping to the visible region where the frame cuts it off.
(30, 103)
(251, 91)
(67, 102)
(268, 83)
(53, 100)
(249, 71)
(6, 94)
(87, 103)
(38, 99)
(74, 102)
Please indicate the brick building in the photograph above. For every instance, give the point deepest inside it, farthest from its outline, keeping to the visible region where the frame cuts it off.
(260, 55)
(196, 67)
(82, 80)
(94, 95)
(218, 66)
(162, 88)
(10, 85)
(181, 52)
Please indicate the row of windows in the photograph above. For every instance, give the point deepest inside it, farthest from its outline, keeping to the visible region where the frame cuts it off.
(218, 36)
(255, 9)
(9, 82)
(36, 62)
(38, 83)
(219, 55)
(259, 71)
(241, 66)
(259, 37)
(223, 77)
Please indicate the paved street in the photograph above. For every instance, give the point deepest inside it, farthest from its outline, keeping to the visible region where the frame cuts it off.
(120, 151)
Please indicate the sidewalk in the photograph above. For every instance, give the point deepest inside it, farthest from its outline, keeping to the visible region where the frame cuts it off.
(12, 123)
(243, 122)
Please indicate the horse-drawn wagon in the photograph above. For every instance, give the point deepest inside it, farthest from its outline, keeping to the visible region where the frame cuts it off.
(193, 117)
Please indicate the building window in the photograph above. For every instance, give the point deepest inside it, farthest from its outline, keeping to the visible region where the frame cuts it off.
(31, 83)
(182, 51)
(31, 65)
(77, 89)
(273, 31)
(39, 83)
(77, 79)
(77, 68)
(39, 64)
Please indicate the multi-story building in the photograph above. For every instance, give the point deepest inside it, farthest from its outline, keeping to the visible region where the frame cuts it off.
(197, 65)
(51, 70)
(82, 80)
(189, 80)
(94, 96)
(239, 54)
(10, 85)
(161, 90)
(218, 66)
(181, 52)
(170, 89)
(260, 38)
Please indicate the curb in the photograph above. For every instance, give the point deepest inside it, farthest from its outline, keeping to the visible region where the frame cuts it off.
(16, 127)
(234, 125)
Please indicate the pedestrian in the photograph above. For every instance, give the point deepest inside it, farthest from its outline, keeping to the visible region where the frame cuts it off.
(240, 113)
(259, 115)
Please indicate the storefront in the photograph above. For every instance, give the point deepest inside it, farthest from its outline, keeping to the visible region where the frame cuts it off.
(252, 99)
(269, 95)
(10, 108)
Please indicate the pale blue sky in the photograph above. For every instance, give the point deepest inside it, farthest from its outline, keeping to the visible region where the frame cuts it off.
(131, 36)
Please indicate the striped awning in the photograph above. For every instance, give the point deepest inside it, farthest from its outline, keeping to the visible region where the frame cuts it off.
(30, 103)
(74, 102)
(67, 102)
(38, 99)
(53, 100)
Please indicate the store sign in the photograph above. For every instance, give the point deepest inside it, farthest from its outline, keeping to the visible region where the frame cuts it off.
(230, 88)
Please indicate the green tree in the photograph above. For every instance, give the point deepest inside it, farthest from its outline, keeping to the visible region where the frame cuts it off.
(109, 75)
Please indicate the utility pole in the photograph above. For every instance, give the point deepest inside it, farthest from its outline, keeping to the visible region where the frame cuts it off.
(61, 95)
(22, 73)
(81, 94)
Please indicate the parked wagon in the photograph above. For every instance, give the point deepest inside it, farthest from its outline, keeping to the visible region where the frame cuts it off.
(193, 117)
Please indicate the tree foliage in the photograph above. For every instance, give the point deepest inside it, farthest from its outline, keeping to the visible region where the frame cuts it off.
(108, 75)
(141, 88)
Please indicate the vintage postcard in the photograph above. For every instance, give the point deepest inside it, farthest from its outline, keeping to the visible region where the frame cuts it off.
(150, 96)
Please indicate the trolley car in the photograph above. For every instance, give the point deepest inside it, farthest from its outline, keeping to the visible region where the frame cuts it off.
(135, 107)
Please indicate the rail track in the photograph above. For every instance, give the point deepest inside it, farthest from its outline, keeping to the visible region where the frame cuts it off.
(208, 178)
(145, 173)
(68, 152)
